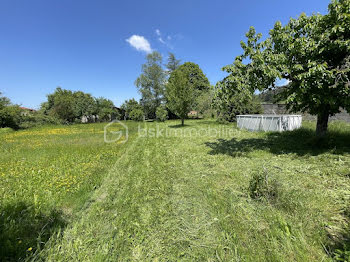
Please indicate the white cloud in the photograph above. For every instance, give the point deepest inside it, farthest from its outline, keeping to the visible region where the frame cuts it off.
(161, 40)
(166, 40)
(140, 43)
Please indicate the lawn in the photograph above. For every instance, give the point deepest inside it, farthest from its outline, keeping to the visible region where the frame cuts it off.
(174, 193)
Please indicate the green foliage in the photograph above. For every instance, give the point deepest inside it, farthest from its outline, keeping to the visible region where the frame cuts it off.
(151, 84)
(130, 105)
(105, 109)
(195, 76)
(136, 114)
(179, 94)
(342, 254)
(72, 107)
(271, 95)
(10, 116)
(85, 105)
(203, 103)
(14, 117)
(173, 63)
(263, 187)
(312, 52)
(235, 94)
(230, 103)
(33, 119)
(61, 105)
(4, 101)
(161, 113)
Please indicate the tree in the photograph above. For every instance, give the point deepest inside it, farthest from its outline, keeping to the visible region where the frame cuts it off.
(10, 115)
(105, 109)
(151, 83)
(317, 63)
(180, 94)
(4, 101)
(136, 114)
(271, 95)
(84, 105)
(130, 105)
(69, 106)
(195, 76)
(173, 63)
(61, 105)
(161, 113)
(231, 100)
(203, 102)
(235, 93)
(313, 53)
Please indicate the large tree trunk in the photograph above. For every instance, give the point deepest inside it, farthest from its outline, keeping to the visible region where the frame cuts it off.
(322, 123)
(182, 121)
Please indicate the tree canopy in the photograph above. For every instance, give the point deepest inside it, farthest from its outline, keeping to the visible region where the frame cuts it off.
(130, 105)
(195, 76)
(69, 106)
(151, 83)
(312, 52)
(180, 94)
(173, 63)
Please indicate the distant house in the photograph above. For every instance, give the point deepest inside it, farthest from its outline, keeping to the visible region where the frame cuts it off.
(117, 114)
(193, 113)
(26, 111)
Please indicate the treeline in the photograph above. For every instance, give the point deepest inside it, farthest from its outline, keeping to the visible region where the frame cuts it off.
(176, 89)
(311, 52)
(77, 107)
(62, 107)
(157, 99)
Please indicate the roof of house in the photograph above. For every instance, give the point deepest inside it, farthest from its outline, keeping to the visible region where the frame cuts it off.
(26, 108)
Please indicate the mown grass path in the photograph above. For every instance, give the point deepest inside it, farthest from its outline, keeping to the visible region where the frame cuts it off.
(182, 198)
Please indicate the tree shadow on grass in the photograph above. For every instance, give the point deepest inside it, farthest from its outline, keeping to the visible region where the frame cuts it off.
(338, 245)
(301, 142)
(178, 126)
(23, 230)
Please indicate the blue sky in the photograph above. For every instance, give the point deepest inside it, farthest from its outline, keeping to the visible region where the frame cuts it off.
(82, 44)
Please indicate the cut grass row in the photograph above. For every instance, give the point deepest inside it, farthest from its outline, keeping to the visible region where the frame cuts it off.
(180, 197)
(47, 174)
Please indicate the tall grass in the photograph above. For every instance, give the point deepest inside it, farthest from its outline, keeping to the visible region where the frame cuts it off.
(243, 196)
(46, 175)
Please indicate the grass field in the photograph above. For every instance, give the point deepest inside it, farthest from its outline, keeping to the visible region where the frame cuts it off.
(177, 193)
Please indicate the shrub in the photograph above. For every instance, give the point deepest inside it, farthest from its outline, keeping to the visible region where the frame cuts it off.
(10, 116)
(261, 187)
(136, 115)
(227, 109)
(37, 119)
(161, 114)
